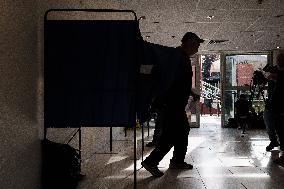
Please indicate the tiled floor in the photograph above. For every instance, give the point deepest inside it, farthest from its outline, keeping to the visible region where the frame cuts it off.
(222, 159)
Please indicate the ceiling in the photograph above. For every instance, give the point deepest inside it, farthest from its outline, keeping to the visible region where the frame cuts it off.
(246, 24)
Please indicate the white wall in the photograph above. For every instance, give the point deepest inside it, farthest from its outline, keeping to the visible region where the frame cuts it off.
(21, 92)
(19, 124)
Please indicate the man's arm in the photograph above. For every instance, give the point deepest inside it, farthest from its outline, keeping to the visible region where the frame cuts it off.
(194, 95)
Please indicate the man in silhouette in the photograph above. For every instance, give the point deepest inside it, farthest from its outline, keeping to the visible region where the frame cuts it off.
(277, 105)
(268, 115)
(175, 128)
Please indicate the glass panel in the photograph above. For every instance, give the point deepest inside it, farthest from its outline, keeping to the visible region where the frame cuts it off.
(240, 68)
(230, 97)
(238, 79)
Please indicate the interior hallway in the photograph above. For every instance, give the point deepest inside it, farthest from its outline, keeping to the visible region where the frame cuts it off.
(221, 158)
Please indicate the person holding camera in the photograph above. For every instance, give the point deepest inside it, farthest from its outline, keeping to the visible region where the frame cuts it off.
(277, 105)
(268, 115)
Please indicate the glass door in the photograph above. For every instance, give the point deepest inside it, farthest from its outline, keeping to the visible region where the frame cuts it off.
(237, 77)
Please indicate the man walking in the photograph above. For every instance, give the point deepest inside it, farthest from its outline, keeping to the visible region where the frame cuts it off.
(175, 128)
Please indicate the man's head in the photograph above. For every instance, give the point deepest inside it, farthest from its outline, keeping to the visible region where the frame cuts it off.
(280, 61)
(191, 43)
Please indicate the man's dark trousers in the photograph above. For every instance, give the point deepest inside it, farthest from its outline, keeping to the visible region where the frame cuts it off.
(175, 130)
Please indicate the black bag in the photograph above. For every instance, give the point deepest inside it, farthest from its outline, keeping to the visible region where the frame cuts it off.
(60, 166)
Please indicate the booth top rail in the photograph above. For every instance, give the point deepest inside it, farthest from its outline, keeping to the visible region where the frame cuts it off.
(89, 10)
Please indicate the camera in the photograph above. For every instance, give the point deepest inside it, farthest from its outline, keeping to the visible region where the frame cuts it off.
(259, 77)
(270, 68)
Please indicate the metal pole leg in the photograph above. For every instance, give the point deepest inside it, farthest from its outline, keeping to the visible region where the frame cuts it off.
(148, 125)
(110, 139)
(142, 125)
(80, 146)
(135, 161)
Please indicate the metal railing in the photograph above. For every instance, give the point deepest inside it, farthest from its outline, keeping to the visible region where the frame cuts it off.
(210, 91)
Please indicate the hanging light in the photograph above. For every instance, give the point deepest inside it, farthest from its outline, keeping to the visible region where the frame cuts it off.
(210, 17)
(141, 18)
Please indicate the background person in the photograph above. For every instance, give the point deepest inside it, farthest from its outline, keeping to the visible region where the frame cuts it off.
(277, 105)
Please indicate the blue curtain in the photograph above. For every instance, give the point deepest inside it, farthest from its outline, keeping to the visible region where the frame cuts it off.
(90, 71)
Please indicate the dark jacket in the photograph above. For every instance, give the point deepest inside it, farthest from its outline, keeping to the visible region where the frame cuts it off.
(277, 98)
(271, 85)
(169, 81)
(176, 97)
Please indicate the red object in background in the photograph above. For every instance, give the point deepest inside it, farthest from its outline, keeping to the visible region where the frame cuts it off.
(205, 110)
(244, 74)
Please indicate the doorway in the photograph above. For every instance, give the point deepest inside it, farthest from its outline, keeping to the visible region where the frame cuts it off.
(210, 89)
(220, 79)
(237, 78)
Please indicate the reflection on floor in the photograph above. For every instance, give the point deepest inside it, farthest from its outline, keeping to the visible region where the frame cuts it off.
(222, 159)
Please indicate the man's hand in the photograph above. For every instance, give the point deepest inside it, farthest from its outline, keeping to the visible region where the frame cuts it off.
(272, 76)
(195, 96)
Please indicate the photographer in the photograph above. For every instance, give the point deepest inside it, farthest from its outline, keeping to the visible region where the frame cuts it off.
(277, 105)
(268, 115)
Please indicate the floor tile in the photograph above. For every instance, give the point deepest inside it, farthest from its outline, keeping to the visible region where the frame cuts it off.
(222, 159)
